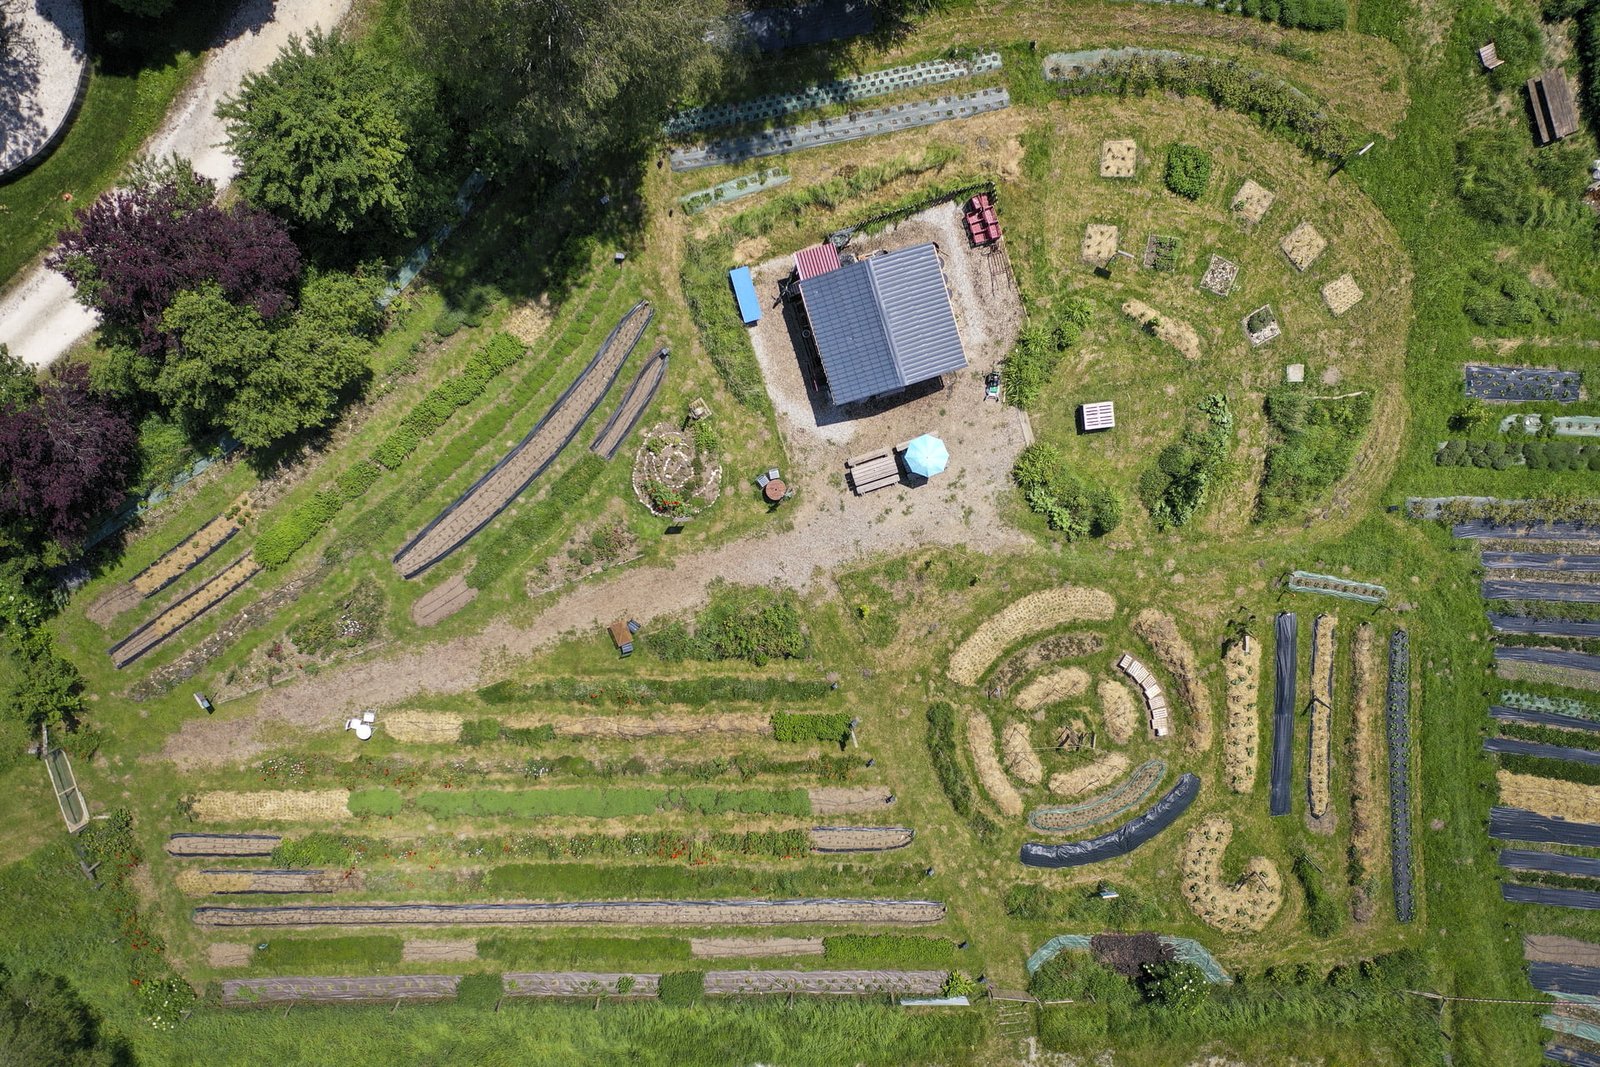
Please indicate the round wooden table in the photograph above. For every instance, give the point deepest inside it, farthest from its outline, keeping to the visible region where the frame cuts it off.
(774, 490)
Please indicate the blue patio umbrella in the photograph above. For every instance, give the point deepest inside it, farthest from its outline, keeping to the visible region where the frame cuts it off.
(927, 456)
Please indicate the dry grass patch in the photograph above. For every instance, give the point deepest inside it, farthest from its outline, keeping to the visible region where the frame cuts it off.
(224, 955)
(1053, 687)
(1241, 666)
(1366, 798)
(1304, 246)
(1550, 796)
(1160, 632)
(1251, 202)
(1119, 159)
(1097, 775)
(980, 739)
(1016, 741)
(1164, 328)
(1243, 907)
(422, 727)
(1099, 244)
(277, 805)
(1034, 613)
(1323, 644)
(1120, 710)
(1342, 294)
(446, 950)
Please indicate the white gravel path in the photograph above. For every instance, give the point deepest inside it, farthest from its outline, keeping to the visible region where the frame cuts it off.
(40, 68)
(39, 319)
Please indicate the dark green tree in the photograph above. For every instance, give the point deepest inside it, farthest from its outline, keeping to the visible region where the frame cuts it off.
(44, 1023)
(558, 80)
(146, 8)
(336, 138)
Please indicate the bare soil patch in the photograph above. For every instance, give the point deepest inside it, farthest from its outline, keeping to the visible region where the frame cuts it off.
(226, 954)
(1303, 245)
(1129, 954)
(443, 600)
(1552, 948)
(722, 948)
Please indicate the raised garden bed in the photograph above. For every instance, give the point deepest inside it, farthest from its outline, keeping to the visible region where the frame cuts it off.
(1161, 253)
(1261, 325)
(1220, 276)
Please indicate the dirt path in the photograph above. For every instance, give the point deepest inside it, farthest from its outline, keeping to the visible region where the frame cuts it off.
(39, 319)
(820, 538)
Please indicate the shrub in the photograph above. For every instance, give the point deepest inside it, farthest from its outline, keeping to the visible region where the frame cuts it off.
(1311, 443)
(1188, 170)
(375, 802)
(1181, 988)
(317, 850)
(1176, 487)
(1039, 348)
(1050, 488)
(480, 989)
(679, 988)
(943, 749)
(834, 726)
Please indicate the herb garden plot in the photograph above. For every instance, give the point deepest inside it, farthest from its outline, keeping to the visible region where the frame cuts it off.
(583, 913)
(508, 479)
(185, 556)
(1550, 896)
(178, 615)
(1124, 796)
(219, 845)
(1532, 531)
(1541, 561)
(1398, 715)
(368, 989)
(1561, 592)
(1238, 907)
(834, 839)
(1522, 624)
(1285, 666)
(1542, 718)
(844, 91)
(1518, 824)
(1523, 384)
(1548, 657)
(1515, 747)
(631, 409)
(837, 131)
(823, 983)
(1124, 839)
(1523, 859)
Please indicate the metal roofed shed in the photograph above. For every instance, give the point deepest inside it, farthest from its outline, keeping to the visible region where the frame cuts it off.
(1100, 415)
(744, 290)
(816, 260)
(883, 324)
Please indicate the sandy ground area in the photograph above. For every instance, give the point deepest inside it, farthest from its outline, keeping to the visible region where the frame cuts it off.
(39, 319)
(40, 67)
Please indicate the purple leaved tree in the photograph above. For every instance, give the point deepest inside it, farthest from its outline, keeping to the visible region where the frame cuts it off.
(64, 457)
(131, 251)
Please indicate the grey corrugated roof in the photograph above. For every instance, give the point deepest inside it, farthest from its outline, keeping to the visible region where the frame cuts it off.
(883, 323)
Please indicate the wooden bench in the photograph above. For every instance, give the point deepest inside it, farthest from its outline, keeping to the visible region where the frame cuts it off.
(1155, 700)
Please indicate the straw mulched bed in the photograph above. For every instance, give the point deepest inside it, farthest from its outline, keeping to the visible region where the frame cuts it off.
(1325, 630)
(1241, 665)
(582, 913)
(1550, 796)
(1016, 741)
(1168, 330)
(980, 739)
(1303, 245)
(201, 883)
(1252, 201)
(1097, 775)
(1160, 632)
(1342, 294)
(1244, 907)
(1366, 798)
(1121, 712)
(278, 805)
(1036, 612)
(1052, 687)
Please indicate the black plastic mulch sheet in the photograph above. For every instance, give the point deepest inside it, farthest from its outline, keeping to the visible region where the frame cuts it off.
(1286, 662)
(1551, 896)
(1124, 839)
(1565, 978)
(1397, 706)
(1526, 859)
(1523, 624)
(1487, 382)
(1518, 824)
(1529, 531)
(1512, 746)
(1567, 1054)
(1558, 592)
(1548, 657)
(1543, 718)
(1541, 561)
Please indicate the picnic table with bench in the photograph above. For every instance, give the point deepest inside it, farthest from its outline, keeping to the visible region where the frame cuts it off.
(1154, 699)
(872, 471)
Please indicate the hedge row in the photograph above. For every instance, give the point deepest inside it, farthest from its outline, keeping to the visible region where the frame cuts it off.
(623, 881)
(702, 691)
(1550, 735)
(1294, 14)
(595, 802)
(830, 726)
(944, 746)
(1538, 766)
(908, 951)
(1536, 455)
(722, 331)
(435, 409)
(512, 540)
